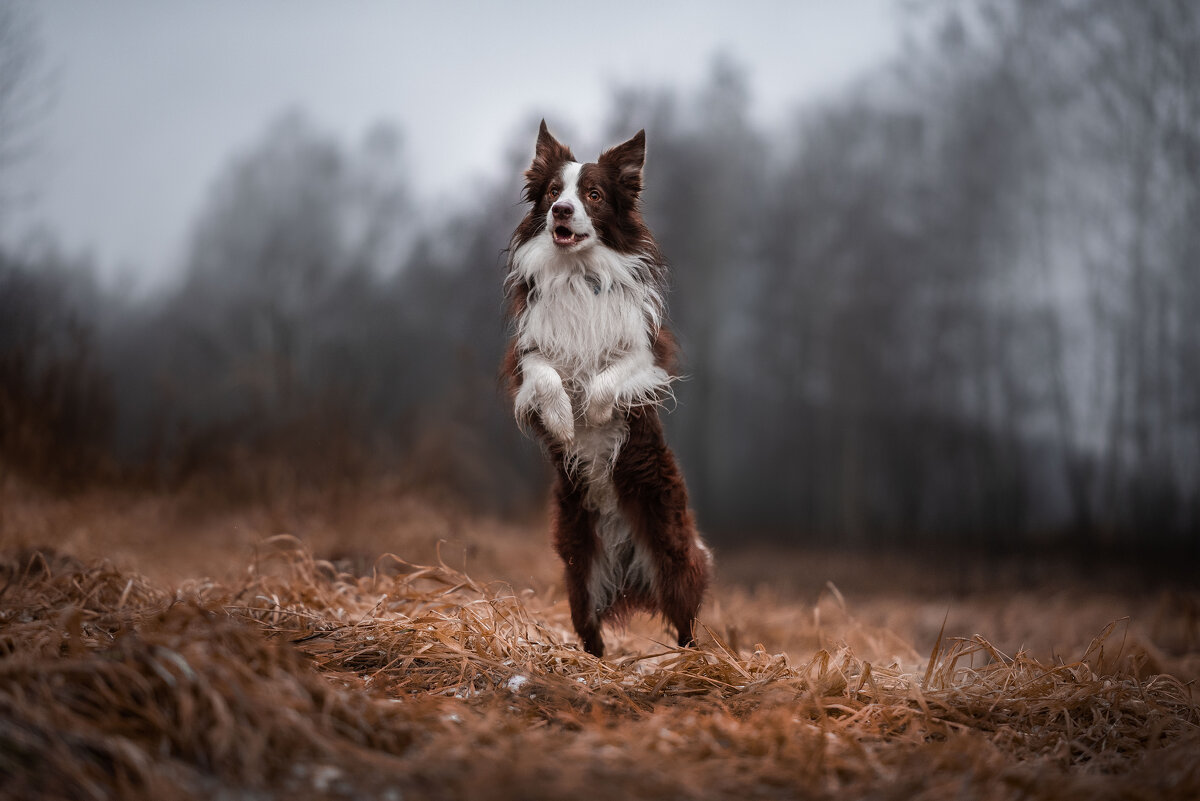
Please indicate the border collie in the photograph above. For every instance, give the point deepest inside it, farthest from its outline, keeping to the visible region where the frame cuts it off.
(588, 365)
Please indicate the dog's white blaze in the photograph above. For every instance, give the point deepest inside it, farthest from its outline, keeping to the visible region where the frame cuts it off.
(579, 223)
(569, 174)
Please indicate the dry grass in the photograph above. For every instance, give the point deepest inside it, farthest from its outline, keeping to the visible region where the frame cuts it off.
(365, 675)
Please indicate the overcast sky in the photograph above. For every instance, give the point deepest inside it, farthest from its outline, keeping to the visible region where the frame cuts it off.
(151, 98)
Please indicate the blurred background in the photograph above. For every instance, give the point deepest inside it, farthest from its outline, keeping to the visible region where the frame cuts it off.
(936, 265)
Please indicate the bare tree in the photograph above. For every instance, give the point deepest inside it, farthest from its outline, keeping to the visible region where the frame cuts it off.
(24, 95)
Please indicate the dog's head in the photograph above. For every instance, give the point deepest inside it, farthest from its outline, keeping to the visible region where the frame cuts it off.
(579, 206)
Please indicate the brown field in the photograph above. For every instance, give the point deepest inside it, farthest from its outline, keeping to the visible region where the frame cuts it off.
(176, 647)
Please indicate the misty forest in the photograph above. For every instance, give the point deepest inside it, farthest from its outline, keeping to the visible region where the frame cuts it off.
(954, 304)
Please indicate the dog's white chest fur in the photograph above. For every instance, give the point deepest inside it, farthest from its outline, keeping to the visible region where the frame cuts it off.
(580, 328)
(583, 312)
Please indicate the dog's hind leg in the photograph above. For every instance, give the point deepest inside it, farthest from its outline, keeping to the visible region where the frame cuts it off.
(575, 541)
(653, 498)
(681, 601)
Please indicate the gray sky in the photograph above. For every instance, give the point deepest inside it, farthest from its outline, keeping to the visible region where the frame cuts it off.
(151, 98)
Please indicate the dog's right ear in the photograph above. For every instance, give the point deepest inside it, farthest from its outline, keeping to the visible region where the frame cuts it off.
(548, 156)
(550, 149)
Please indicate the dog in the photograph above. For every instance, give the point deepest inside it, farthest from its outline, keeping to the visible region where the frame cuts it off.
(588, 364)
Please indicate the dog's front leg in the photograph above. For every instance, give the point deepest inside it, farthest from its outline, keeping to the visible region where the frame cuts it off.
(631, 380)
(542, 392)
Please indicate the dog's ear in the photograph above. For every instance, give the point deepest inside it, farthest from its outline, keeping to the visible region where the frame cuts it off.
(548, 155)
(550, 149)
(627, 159)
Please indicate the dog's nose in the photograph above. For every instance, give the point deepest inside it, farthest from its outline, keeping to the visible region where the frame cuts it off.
(562, 210)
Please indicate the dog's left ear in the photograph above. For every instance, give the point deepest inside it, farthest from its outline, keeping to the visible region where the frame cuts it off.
(628, 158)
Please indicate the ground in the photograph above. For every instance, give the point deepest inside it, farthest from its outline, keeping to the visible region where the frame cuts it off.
(378, 643)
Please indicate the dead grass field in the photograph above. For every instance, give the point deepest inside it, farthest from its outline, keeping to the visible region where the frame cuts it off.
(173, 647)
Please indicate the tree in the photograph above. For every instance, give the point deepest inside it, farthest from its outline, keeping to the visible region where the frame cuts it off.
(279, 319)
(703, 197)
(23, 95)
(56, 404)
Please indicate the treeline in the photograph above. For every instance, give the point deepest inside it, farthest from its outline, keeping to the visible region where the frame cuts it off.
(324, 328)
(954, 304)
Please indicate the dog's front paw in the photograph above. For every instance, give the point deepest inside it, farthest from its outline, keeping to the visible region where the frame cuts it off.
(525, 405)
(599, 414)
(543, 394)
(601, 397)
(558, 417)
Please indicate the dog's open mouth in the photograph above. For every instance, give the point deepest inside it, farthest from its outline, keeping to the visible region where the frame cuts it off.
(565, 237)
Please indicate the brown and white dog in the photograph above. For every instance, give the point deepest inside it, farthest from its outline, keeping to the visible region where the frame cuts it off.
(588, 364)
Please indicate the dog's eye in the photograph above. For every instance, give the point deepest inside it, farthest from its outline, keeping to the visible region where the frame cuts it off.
(553, 192)
(594, 195)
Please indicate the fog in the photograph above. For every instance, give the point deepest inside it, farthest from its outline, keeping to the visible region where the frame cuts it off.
(948, 305)
(147, 100)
